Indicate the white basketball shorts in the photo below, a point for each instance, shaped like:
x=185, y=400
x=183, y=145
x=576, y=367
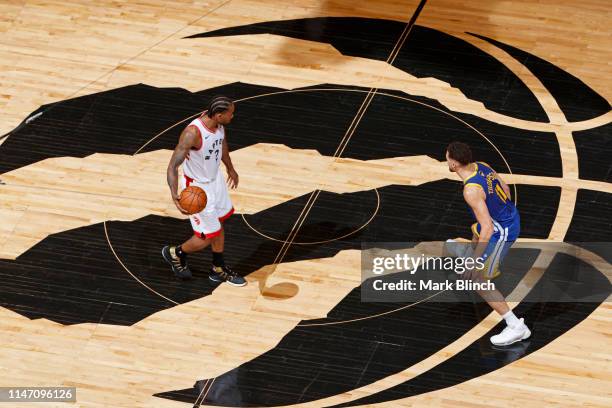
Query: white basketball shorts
x=207, y=223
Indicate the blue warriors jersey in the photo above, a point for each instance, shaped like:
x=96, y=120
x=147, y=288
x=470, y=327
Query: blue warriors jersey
x=500, y=207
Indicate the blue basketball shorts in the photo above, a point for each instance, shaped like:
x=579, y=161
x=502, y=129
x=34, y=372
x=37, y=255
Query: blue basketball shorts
x=504, y=235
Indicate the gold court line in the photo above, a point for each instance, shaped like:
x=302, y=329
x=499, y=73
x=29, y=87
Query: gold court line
x=197, y=402
x=341, y=90
x=128, y=271
x=301, y=219
x=348, y=135
x=328, y=240
x=345, y=90
x=313, y=90
x=372, y=316
x=209, y=388
x=313, y=196
x=515, y=196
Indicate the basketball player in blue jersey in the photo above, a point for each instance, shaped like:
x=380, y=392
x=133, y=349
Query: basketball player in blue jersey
x=496, y=229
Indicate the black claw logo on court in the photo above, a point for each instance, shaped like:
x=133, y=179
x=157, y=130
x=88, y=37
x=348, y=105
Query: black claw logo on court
x=71, y=276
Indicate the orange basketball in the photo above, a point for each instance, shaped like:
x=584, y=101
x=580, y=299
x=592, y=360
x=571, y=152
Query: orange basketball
x=193, y=199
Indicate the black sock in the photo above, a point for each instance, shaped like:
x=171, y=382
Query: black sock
x=182, y=255
x=218, y=259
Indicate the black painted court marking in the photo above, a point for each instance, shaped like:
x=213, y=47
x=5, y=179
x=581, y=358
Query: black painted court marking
x=294, y=242
x=130, y=272
x=515, y=197
x=207, y=387
x=37, y=115
x=310, y=202
x=374, y=213
x=345, y=140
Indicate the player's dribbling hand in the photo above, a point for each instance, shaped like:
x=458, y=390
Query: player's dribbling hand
x=176, y=198
x=232, y=180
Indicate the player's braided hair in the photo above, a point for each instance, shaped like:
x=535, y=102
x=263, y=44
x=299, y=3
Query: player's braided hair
x=218, y=104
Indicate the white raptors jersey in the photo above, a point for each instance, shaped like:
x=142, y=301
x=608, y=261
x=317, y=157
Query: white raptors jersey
x=203, y=163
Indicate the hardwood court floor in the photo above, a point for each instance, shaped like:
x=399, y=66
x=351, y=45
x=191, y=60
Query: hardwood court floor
x=343, y=108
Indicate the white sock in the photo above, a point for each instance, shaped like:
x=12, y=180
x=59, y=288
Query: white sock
x=511, y=319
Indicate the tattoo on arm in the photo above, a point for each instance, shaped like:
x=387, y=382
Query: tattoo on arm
x=189, y=138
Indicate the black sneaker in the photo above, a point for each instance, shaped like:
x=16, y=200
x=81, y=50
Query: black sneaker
x=225, y=274
x=170, y=256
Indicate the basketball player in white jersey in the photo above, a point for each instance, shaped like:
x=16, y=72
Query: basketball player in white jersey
x=201, y=149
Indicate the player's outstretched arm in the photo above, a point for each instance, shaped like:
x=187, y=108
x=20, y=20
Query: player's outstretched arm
x=189, y=138
x=475, y=198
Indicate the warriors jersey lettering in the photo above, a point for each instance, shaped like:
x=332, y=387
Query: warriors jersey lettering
x=203, y=163
x=500, y=207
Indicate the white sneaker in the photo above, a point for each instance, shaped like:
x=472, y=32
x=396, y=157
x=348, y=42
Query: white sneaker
x=511, y=335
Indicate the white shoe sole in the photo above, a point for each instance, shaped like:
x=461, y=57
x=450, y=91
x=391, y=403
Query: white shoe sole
x=236, y=284
x=228, y=282
x=526, y=335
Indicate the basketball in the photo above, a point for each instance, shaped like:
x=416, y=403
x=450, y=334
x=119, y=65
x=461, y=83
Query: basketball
x=193, y=199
